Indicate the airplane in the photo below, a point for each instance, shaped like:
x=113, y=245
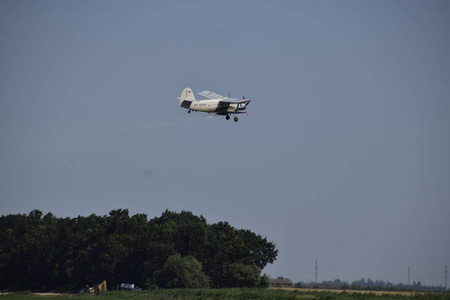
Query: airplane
x=216, y=103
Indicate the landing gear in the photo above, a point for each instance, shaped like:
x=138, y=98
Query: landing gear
x=235, y=118
x=189, y=111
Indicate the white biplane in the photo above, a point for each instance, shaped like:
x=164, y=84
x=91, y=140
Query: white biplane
x=215, y=103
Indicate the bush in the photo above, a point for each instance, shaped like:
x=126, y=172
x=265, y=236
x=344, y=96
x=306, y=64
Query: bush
x=241, y=275
x=182, y=272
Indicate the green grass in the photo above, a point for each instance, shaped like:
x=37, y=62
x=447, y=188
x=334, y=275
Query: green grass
x=224, y=294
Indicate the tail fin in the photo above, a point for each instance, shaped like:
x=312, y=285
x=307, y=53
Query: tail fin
x=187, y=95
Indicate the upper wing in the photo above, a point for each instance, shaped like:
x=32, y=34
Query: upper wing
x=210, y=95
x=223, y=99
x=234, y=100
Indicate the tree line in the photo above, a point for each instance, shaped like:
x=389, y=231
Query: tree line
x=371, y=285
x=43, y=252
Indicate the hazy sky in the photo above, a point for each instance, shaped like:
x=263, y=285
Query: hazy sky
x=343, y=157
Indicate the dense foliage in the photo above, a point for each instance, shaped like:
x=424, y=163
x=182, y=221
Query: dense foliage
x=174, y=250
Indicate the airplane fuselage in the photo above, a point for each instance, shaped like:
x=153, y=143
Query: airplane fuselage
x=215, y=106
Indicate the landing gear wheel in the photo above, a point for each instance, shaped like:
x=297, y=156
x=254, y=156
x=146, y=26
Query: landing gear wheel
x=227, y=117
x=189, y=111
x=236, y=119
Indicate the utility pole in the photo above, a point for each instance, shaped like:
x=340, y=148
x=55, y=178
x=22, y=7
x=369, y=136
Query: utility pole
x=316, y=270
x=409, y=276
x=445, y=277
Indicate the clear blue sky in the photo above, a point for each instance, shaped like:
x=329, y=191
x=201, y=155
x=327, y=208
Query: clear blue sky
x=343, y=157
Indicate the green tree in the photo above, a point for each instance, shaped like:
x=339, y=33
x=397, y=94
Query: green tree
x=182, y=272
x=184, y=232
x=228, y=245
x=240, y=275
x=265, y=281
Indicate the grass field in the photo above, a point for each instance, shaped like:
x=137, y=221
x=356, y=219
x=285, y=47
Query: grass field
x=217, y=294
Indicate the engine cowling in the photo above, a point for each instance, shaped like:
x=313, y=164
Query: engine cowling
x=242, y=106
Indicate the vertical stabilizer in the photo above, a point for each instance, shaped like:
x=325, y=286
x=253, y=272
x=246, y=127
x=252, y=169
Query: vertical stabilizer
x=187, y=96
